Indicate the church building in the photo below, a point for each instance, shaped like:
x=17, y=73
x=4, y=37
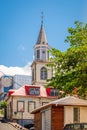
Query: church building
x=40, y=71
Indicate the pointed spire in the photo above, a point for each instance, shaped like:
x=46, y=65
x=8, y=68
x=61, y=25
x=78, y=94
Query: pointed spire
x=42, y=35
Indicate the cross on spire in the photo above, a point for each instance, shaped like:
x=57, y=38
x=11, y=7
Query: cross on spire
x=42, y=17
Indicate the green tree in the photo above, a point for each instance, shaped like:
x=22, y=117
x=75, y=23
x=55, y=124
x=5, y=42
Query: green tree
x=3, y=105
x=70, y=67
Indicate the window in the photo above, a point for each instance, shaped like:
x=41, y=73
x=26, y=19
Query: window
x=20, y=106
x=31, y=106
x=32, y=74
x=44, y=103
x=48, y=54
x=53, y=92
x=43, y=73
x=34, y=91
x=43, y=55
x=76, y=114
x=38, y=54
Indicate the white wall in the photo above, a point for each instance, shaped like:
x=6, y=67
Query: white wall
x=83, y=114
x=68, y=114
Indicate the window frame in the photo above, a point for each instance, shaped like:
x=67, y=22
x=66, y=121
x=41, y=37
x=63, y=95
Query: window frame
x=23, y=106
x=43, y=73
x=76, y=114
x=34, y=105
x=34, y=91
x=38, y=54
x=44, y=103
x=55, y=92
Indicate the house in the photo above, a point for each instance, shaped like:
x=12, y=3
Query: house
x=56, y=114
x=22, y=101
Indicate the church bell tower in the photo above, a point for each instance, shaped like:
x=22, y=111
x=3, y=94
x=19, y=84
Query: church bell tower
x=40, y=71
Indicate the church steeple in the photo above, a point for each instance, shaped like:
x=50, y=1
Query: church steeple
x=41, y=47
x=42, y=36
x=40, y=71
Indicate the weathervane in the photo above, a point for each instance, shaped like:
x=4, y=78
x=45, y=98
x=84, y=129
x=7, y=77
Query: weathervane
x=42, y=16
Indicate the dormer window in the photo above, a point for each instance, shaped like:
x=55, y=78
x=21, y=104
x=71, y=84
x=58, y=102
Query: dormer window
x=52, y=92
x=34, y=91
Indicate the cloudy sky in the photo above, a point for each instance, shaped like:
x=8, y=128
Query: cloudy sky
x=25, y=70
x=20, y=22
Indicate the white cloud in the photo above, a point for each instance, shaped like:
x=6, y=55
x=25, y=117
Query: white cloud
x=26, y=70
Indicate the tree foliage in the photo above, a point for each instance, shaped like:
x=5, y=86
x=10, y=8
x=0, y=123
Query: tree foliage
x=3, y=104
x=70, y=67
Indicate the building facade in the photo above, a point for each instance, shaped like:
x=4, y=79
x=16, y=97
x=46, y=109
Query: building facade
x=25, y=99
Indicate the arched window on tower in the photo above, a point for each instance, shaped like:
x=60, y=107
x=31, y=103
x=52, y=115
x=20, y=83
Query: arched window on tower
x=43, y=73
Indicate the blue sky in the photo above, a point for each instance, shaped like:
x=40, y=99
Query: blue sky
x=20, y=23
